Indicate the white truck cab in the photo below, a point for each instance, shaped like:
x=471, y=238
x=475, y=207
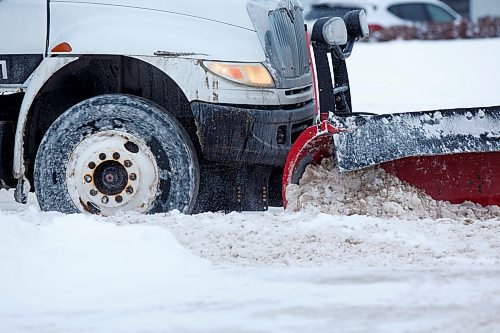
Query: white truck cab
x=150, y=106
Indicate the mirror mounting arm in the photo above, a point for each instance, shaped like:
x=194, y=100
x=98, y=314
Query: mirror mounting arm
x=343, y=53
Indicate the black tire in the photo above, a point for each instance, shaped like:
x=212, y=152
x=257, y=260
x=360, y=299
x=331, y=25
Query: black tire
x=168, y=143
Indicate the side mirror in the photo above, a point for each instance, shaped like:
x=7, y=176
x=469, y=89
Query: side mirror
x=331, y=31
x=356, y=23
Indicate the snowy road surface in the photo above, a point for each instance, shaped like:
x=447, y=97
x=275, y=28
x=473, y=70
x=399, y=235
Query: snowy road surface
x=276, y=271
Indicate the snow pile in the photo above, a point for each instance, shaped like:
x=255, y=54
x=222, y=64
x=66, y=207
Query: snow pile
x=311, y=238
x=374, y=192
x=76, y=263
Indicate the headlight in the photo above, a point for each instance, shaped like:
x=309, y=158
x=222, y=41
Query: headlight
x=250, y=74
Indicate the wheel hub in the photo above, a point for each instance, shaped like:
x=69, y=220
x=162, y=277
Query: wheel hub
x=110, y=177
x=112, y=171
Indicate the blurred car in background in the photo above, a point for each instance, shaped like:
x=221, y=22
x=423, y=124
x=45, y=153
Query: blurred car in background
x=382, y=14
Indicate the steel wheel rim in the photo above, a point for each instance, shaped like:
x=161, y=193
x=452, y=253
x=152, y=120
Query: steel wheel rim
x=112, y=171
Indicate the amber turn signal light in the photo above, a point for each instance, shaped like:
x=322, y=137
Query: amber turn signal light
x=62, y=47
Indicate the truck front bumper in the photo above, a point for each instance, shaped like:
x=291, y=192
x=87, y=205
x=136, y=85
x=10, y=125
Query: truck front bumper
x=229, y=134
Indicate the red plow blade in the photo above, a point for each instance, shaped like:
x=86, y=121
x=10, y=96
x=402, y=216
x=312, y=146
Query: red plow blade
x=455, y=178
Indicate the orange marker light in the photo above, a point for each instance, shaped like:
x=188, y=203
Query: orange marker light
x=62, y=47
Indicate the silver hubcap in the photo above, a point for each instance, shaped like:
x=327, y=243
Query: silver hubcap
x=112, y=171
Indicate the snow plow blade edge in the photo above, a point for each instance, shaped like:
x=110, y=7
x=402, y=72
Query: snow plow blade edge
x=385, y=138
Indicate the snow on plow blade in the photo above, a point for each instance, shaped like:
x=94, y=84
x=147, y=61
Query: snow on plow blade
x=386, y=138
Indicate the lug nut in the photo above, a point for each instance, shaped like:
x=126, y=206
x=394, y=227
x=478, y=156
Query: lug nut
x=129, y=190
x=91, y=165
x=105, y=200
x=93, y=192
x=88, y=178
x=118, y=198
x=133, y=176
x=116, y=156
x=102, y=156
x=128, y=163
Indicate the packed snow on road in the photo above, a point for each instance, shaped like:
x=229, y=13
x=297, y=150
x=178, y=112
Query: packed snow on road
x=352, y=253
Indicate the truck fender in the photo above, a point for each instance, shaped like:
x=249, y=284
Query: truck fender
x=35, y=82
x=175, y=67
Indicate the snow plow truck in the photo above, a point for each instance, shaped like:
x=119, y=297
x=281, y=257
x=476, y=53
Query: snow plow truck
x=111, y=105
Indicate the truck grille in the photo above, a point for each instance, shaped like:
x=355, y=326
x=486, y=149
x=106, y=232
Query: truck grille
x=288, y=40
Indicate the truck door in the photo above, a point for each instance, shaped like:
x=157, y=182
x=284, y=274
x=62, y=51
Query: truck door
x=23, y=32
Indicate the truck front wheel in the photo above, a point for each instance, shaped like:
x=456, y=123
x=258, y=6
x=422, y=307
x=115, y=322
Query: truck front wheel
x=116, y=153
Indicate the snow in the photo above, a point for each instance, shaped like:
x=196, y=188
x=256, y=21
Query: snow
x=246, y=272
x=374, y=192
x=315, y=270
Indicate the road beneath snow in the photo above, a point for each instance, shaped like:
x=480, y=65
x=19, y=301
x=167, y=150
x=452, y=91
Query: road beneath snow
x=273, y=271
